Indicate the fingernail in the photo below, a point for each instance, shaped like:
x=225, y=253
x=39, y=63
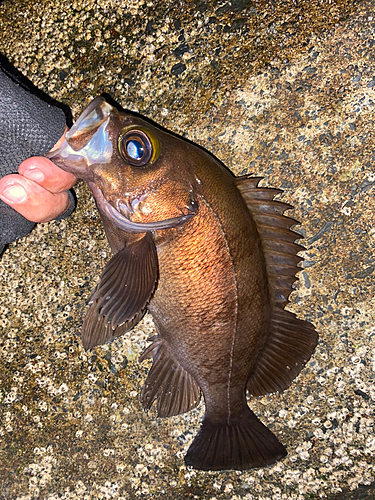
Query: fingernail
x=34, y=174
x=14, y=194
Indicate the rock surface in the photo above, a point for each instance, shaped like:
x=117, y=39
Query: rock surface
x=284, y=90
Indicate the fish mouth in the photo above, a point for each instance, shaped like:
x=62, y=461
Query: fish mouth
x=87, y=142
x=125, y=224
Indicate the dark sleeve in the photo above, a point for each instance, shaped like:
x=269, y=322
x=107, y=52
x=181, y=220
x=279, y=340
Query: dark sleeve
x=29, y=126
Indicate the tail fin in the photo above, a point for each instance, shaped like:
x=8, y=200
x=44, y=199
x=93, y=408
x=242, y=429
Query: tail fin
x=241, y=445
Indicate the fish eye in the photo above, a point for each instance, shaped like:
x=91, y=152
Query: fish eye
x=138, y=147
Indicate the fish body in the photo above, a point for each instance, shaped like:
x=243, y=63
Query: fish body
x=212, y=258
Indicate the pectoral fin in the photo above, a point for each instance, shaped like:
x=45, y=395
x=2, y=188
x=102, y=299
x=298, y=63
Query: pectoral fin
x=121, y=296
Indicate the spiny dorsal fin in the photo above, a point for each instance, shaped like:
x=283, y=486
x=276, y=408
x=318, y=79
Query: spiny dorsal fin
x=290, y=341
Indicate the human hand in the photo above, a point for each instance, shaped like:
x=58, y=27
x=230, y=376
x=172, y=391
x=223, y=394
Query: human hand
x=38, y=191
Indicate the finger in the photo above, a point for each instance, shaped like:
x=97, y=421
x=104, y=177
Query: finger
x=46, y=174
x=31, y=200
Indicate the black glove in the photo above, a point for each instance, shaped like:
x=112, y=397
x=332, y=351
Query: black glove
x=29, y=126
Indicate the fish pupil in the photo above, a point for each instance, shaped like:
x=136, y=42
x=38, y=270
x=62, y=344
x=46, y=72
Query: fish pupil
x=135, y=149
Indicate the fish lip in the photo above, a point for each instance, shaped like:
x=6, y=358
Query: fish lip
x=79, y=170
x=125, y=224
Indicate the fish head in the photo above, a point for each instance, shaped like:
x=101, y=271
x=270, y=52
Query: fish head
x=140, y=175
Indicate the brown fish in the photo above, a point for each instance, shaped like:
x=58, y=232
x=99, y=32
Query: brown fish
x=213, y=259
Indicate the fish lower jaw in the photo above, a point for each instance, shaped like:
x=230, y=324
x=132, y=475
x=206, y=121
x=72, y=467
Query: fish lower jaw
x=125, y=224
x=133, y=212
x=125, y=210
x=137, y=210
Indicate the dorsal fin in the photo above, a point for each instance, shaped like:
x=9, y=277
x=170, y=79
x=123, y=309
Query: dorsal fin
x=290, y=341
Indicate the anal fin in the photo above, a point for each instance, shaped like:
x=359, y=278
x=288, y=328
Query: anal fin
x=174, y=389
x=120, y=298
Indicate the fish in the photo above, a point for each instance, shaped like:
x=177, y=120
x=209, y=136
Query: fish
x=212, y=258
